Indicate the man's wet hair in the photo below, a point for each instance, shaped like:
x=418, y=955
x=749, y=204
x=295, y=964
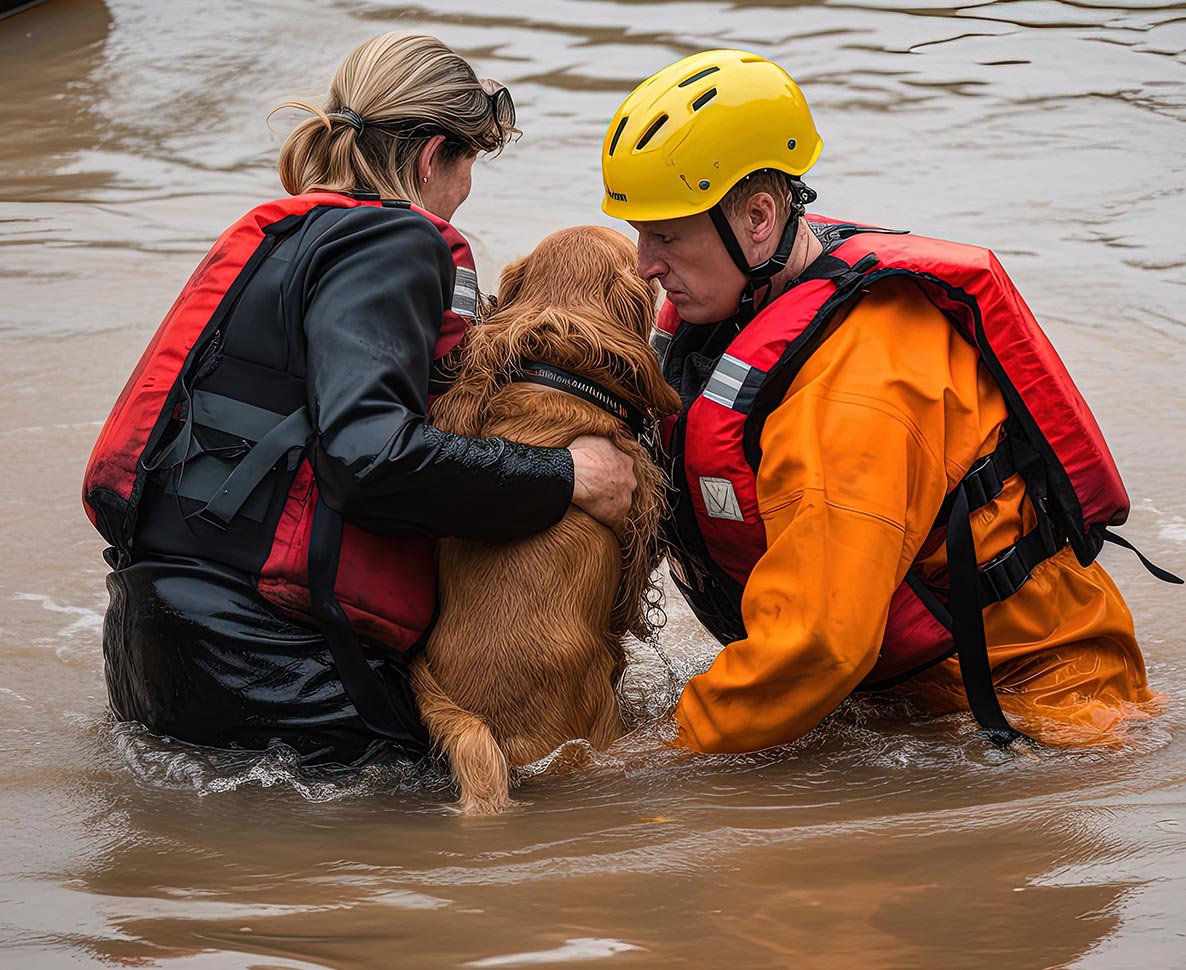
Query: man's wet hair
x=790, y=195
x=771, y=181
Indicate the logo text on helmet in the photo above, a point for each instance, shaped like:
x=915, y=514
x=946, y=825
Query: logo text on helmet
x=616, y=196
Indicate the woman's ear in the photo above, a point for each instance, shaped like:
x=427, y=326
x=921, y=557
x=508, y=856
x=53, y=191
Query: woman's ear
x=510, y=281
x=428, y=155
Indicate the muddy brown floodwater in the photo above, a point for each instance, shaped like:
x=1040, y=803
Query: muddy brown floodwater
x=133, y=131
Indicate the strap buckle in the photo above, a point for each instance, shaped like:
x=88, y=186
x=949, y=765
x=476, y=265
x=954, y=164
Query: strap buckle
x=1005, y=574
x=983, y=482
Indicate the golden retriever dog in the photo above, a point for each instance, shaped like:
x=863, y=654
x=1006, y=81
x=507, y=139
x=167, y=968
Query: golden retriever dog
x=528, y=647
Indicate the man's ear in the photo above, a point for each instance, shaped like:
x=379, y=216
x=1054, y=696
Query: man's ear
x=428, y=155
x=761, y=215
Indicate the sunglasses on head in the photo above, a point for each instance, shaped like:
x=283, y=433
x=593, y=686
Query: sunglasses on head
x=502, y=105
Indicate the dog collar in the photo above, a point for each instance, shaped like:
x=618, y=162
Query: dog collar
x=533, y=372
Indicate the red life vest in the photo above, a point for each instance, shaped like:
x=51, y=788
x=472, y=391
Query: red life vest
x=386, y=585
x=1051, y=437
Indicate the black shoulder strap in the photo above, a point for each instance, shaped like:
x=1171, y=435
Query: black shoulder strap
x=390, y=717
x=967, y=625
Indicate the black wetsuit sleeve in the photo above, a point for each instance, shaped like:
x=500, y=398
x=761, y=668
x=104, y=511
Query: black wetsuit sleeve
x=376, y=284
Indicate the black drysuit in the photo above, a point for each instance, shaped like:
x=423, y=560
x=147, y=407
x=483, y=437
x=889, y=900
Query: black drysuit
x=192, y=649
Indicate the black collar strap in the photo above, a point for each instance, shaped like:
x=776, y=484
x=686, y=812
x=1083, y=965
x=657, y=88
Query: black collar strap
x=533, y=372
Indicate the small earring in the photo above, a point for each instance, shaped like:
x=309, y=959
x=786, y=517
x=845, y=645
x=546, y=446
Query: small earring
x=425, y=180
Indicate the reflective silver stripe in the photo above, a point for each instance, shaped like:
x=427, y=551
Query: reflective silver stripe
x=465, y=293
x=726, y=381
x=660, y=341
x=732, y=367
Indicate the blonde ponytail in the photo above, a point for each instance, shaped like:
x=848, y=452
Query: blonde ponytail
x=387, y=99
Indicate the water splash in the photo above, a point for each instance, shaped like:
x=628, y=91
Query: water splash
x=163, y=763
x=579, y=949
x=87, y=620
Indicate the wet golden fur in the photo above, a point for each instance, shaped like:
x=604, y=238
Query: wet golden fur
x=528, y=647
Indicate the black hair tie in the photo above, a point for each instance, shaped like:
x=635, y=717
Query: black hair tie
x=351, y=117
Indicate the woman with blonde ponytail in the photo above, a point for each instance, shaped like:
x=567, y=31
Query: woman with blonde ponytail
x=405, y=118
x=268, y=481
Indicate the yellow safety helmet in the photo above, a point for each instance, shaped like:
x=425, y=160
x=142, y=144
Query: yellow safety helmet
x=689, y=133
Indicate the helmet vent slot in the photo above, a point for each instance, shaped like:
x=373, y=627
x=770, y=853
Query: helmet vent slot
x=618, y=134
x=697, y=76
x=650, y=132
x=701, y=101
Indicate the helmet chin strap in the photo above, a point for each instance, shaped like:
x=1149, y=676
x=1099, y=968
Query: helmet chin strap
x=764, y=272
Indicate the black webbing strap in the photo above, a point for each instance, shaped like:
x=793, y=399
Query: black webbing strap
x=180, y=447
x=967, y=625
x=765, y=271
x=533, y=372
x=984, y=480
x=204, y=474
x=227, y=494
x=1163, y=574
x=1011, y=568
x=234, y=417
x=389, y=717
x=291, y=433
x=721, y=222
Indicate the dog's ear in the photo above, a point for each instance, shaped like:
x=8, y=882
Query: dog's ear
x=660, y=395
x=638, y=373
x=510, y=282
x=462, y=408
x=631, y=299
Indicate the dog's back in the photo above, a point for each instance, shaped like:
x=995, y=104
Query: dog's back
x=522, y=657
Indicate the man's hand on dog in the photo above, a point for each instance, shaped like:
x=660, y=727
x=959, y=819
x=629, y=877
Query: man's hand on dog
x=603, y=480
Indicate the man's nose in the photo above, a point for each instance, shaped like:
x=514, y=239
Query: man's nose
x=650, y=265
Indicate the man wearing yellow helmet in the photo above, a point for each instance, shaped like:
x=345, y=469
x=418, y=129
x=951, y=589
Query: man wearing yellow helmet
x=881, y=462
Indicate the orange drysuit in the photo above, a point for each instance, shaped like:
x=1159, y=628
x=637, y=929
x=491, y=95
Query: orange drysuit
x=884, y=419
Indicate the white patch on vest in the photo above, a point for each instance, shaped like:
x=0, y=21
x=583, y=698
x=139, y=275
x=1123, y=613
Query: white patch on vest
x=465, y=293
x=720, y=500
